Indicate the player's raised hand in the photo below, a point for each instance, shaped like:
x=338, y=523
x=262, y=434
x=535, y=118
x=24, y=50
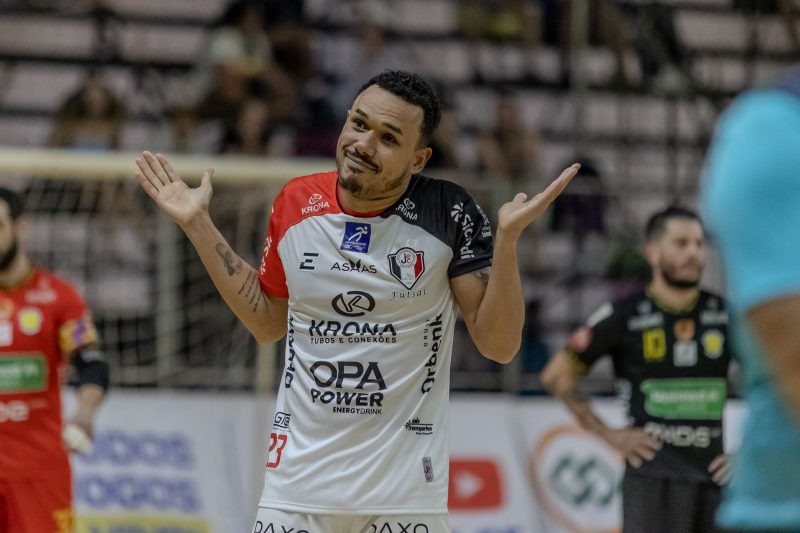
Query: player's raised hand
x=517, y=214
x=181, y=202
x=635, y=445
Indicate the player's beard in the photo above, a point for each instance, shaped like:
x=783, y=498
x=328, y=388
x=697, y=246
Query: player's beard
x=668, y=273
x=7, y=258
x=364, y=191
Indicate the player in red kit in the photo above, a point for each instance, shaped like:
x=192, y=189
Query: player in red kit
x=44, y=326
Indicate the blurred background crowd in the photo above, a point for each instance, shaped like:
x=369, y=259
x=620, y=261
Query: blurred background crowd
x=630, y=88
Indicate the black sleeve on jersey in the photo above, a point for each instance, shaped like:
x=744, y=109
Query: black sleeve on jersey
x=91, y=367
x=730, y=346
x=473, y=237
x=449, y=213
x=598, y=337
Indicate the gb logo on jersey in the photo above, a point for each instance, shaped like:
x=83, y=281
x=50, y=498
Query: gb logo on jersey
x=356, y=237
x=406, y=266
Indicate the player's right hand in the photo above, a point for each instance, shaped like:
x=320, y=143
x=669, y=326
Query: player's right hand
x=634, y=444
x=181, y=202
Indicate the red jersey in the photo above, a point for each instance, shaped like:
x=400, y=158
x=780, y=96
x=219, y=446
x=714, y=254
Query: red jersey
x=43, y=321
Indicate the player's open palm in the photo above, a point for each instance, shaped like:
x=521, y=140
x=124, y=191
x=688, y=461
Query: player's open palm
x=635, y=445
x=181, y=202
x=517, y=214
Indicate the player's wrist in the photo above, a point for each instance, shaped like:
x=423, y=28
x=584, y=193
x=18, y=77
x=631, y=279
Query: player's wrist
x=507, y=236
x=606, y=433
x=197, y=224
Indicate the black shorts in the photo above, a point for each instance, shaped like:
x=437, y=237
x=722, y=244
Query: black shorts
x=651, y=505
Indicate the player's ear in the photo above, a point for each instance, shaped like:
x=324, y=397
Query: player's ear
x=651, y=253
x=421, y=156
x=21, y=226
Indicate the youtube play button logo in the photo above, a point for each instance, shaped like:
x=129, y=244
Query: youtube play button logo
x=474, y=485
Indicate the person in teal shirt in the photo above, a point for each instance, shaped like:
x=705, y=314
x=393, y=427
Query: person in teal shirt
x=751, y=203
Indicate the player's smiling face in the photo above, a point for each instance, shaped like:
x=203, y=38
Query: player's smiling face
x=681, y=253
x=378, y=148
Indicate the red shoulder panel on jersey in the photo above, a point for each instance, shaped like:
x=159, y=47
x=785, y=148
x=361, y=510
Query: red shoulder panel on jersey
x=301, y=198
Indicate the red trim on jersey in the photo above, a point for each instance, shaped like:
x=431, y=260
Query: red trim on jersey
x=25, y=280
x=301, y=198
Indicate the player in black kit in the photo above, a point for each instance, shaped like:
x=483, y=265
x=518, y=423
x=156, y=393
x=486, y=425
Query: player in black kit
x=669, y=349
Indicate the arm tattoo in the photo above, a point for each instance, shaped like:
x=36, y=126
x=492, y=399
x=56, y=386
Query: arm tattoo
x=255, y=296
x=248, y=284
x=232, y=263
x=258, y=301
x=483, y=275
x=251, y=290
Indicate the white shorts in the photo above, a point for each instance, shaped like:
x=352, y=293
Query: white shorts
x=276, y=521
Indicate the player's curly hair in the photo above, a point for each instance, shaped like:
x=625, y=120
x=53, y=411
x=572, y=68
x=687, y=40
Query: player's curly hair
x=414, y=90
x=13, y=200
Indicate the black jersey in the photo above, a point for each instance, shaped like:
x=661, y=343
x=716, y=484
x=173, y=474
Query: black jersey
x=671, y=366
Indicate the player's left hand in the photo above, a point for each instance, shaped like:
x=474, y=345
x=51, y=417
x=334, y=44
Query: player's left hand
x=720, y=469
x=517, y=214
x=77, y=438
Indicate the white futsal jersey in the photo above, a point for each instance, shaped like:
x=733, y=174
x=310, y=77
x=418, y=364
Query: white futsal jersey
x=361, y=420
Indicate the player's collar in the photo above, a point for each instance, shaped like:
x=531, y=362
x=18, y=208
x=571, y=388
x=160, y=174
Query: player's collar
x=669, y=308
x=357, y=213
x=22, y=282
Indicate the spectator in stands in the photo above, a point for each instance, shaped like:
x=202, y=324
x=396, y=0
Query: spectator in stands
x=90, y=118
x=444, y=138
x=290, y=37
x=443, y=142
x=374, y=54
x=515, y=22
x=251, y=136
x=662, y=57
x=582, y=210
x=181, y=134
x=608, y=25
x=238, y=66
x=509, y=151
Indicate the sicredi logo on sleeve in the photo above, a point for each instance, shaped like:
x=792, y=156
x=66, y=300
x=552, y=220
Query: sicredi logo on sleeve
x=356, y=237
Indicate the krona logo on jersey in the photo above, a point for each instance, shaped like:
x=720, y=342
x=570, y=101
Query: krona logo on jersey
x=315, y=204
x=406, y=208
x=356, y=237
x=351, y=304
